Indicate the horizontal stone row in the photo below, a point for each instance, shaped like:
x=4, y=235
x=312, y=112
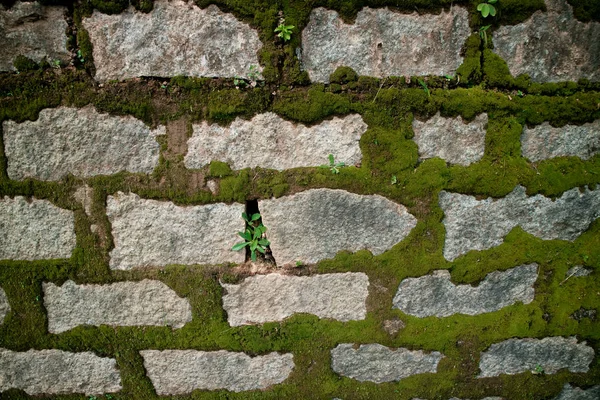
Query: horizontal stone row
x=178, y=38
x=174, y=372
x=568, y=393
x=85, y=143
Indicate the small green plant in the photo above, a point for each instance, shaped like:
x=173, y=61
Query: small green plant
x=394, y=179
x=483, y=34
x=520, y=94
x=80, y=56
x=253, y=73
x=253, y=236
x=55, y=64
x=539, y=370
x=424, y=86
x=333, y=166
x=298, y=264
x=239, y=82
x=284, y=31
x=487, y=8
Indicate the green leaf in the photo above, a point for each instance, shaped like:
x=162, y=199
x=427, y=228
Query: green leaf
x=480, y=6
x=245, y=235
x=253, y=255
x=262, y=228
x=255, y=217
x=331, y=159
x=257, y=234
x=261, y=249
x=245, y=216
x=492, y=11
x=239, y=246
x=253, y=245
x=492, y=1
x=485, y=10
x=264, y=242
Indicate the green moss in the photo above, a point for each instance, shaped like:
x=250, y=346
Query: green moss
x=225, y=105
x=512, y=12
x=470, y=69
x=219, y=169
x=143, y=5
x=23, y=64
x=310, y=106
x=586, y=10
x=110, y=6
x=343, y=75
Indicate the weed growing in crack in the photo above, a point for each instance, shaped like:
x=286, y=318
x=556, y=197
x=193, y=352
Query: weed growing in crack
x=284, y=31
x=333, y=166
x=253, y=236
x=487, y=8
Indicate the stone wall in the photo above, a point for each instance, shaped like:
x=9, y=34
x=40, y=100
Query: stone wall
x=429, y=189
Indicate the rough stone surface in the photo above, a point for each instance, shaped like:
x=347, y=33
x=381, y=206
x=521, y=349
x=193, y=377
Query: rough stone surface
x=382, y=42
x=273, y=297
x=81, y=142
x=269, y=141
x=515, y=356
x=473, y=224
x=436, y=295
x=35, y=229
x=34, y=31
x=545, y=141
x=316, y=224
x=393, y=326
x=377, y=363
x=150, y=233
x=4, y=305
x=55, y=371
x=551, y=46
x=574, y=393
x=182, y=371
x=118, y=304
x=85, y=196
x=451, y=139
x=175, y=38
x=578, y=271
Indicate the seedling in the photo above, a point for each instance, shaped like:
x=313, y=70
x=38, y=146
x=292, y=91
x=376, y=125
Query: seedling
x=487, y=8
x=520, y=94
x=253, y=73
x=425, y=88
x=284, y=31
x=80, y=56
x=394, y=179
x=55, y=64
x=237, y=81
x=483, y=34
x=333, y=166
x=539, y=370
x=253, y=236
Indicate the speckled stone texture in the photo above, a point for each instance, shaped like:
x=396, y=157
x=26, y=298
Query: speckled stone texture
x=34, y=31
x=175, y=372
x=32, y=229
x=578, y=271
x=574, y=393
x=377, y=363
x=318, y=223
x=382, y=42
x=515, y=356
x=269, y=141
x=81, y=142
x=436, y=295
x=473, y=224
x=58, y=372
x=274, y=297
x=150, y=233
x=551, y=46
x=117, y=304
x=451, y=139
x=544, y=141
x=175, y=38
x=4, y=305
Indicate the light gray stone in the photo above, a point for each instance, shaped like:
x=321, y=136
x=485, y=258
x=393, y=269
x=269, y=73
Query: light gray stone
x=551, y=46
x=81, y=142
x=269, y=141
x=85, y=195
x=473, y=224
x=274, y=297
x=32, y=229
x=515, y=356
x=544, y=141
x=58, y=372
x=4, y=305
x=377, y=363
x=436, y=295
x=175, y=372
x=382, y=42
x=451, y=139
x=318, y=223
x=151, y=233
x=175, y=38
x=118, y=304
x=577, y=271
x=574, y=393
x=34, y=31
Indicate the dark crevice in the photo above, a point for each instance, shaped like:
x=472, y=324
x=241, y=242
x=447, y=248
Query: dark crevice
x=252, y=208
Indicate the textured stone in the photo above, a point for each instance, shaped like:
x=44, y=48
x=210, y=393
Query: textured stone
x=85, y=195
x=150, y=233
x=451, y=139
x=514, y=356
x=393, y=326
x=577, y=271
x=473, y=224
x=551, y=46
x=269, y=141
x=182, y=371
x=55, y=372
x=382, y=42
x=118, y=304
x=274, y=297
x=35, y=229
x=4, y=305
x=574, y=393
x=34, y=31
x=377, y=363
x=175, y=38
x=436, y=295
x=318, y=223
x=545, y=141
x=81, y=142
